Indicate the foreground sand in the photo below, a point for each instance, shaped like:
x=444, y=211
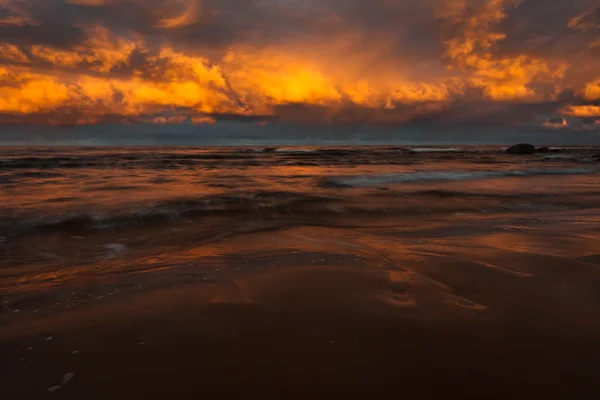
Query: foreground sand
x=508, y=315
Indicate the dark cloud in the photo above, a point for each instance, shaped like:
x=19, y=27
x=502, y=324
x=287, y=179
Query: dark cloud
x=223, y=22
x=534, y=27
x=348, y=63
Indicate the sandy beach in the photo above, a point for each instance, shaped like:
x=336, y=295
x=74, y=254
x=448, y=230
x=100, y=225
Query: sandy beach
x=501, y=315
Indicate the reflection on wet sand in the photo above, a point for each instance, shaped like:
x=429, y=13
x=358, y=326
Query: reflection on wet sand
x=468, y=271
x=331, y=312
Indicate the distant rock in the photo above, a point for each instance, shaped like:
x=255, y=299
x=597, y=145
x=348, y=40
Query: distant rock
x=542, y=150
x=521, y=149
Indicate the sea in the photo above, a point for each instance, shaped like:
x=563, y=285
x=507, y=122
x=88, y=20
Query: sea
x=80, y=224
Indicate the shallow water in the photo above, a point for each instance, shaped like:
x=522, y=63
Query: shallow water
x=80, y=224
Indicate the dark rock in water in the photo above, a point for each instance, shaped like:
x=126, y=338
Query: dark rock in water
x=521, y=149
x=542, y=150
x=270, y=149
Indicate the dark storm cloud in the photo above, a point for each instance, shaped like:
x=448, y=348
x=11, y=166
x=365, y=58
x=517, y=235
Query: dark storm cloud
x=382, y=63
x=534, y=27
x=451, y=115
x=223, y=22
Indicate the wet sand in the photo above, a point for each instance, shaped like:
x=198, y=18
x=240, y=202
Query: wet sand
x=508, y=314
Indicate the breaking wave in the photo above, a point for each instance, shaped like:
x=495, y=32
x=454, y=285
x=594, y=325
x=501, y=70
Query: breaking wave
x=250, y=204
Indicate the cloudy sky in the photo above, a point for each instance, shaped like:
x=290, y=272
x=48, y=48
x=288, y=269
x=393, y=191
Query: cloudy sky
x=159, y=71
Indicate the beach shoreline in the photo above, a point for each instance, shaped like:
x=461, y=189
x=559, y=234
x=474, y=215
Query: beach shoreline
x=469, y=323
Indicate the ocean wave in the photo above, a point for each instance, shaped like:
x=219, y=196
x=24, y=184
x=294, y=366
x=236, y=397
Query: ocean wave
x=574, y=158
x=282, y=208
x=294, y=150
x=456, y=149
x=429, y=176
x=436, y=150
x=251, y=204
x=587, y=148
x=258, y=150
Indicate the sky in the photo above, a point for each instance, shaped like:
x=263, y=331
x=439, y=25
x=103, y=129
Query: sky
x=299, y=71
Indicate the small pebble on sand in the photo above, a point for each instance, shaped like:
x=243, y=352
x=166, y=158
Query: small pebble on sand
x=67, y=378
x=141, y=344
x=53, y=389
x=30, y=348
x=49, y=338
x=74, y=352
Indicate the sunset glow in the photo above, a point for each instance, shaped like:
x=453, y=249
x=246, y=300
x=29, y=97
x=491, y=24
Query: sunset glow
x=90, y=61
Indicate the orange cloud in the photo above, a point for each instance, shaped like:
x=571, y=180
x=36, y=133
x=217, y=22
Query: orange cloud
x=11, y=52
x=203, y=120
x=501, y=78
x=17, y=14
x=562, y=124
x=592, y=90
x=170, y=120
x=154, y=71
x=188, y=16
x=584, y=21
x=586, y=111
x=100, y=52
x=30, y=93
